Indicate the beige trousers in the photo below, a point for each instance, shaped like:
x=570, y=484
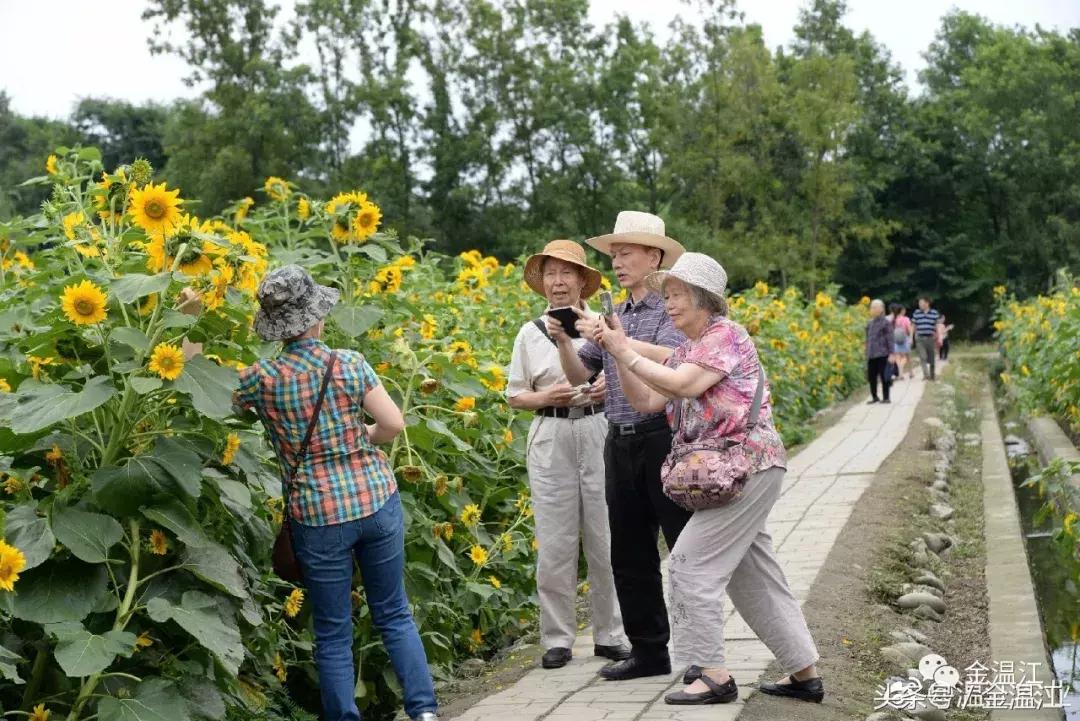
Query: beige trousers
x=727, y=550
x=565, y=459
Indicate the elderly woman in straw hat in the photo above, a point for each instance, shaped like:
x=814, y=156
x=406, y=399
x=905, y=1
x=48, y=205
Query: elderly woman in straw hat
x=565, y=460
x=341, y=499
x=715, y=385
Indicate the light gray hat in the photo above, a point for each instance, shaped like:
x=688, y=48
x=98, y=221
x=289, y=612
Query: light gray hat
x=290, y=302
x=694, y=269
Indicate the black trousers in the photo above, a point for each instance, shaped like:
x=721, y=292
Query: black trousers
x=637, y=511
x=943, y=354
x=875, y=369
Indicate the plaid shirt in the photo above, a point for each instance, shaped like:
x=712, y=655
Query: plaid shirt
x=344, y=476
x=646, y=321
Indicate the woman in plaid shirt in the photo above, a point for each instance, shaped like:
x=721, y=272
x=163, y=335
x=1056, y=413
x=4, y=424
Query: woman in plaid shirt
x=343, y=500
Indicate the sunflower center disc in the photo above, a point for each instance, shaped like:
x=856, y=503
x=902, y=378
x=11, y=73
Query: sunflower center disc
x=84, y=307
x=155, y=209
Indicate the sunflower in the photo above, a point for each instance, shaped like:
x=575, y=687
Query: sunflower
x=471, y=515
x=441, y=486
x=387, y=280
x=476, y=640
x=155, y=209
x=71, y=223
x=479, y=555
x=159, y=544
x=366, y=221
x=12, y=562
x=243, y=208
x=277, y=188
x=50, y=165
x=340, y=209
x=167, y=361
x=5, y=387
x=84, y=303
x=507, y=542
x=465, y=404
x=148, y=305
x=232, y=445
x=429, y=327
x=294, y=603
x=40, y=713
x=495, y=582
x=143, y=641
x=303, y=208
x=279, y=668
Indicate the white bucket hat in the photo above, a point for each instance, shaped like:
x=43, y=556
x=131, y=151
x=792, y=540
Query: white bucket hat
x=632, y=226
x=695, y=269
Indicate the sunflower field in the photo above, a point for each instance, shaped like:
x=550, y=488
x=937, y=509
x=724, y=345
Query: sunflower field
x=138, y=512
x=1040, y=342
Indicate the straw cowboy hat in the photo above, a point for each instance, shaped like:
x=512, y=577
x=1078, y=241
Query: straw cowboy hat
x=566, y=250
x=632, y=226
x=290, y=302
x=695, y=269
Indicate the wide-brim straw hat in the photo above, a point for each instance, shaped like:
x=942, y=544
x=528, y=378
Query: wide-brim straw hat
x=695, y=269
x=632, y=226
x=565, y=250
x=290, y=302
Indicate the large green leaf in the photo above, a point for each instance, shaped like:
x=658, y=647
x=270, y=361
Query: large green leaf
x=210, y=386
x=356, y=320
x=88, y=536
x=60, y=591
x=182, y=464
x=208, y=620
x=441, y=428
x=41, y=405
x=122, y=489
x=175, y=516
x=135, y=285
x=131, y=337
x=216, y=566
x=81, y=653
x=8, y=669
x=30, y=533
x=203, y=698
x=155, y=700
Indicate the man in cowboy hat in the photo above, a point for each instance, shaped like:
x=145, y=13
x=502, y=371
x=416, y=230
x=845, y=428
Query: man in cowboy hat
x=637, y=443
x=565, y=463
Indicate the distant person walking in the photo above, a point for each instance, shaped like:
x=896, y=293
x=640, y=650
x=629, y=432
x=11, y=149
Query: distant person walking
x=943, y=338
x=926, y=320
x=879, y=344
x=902, y=333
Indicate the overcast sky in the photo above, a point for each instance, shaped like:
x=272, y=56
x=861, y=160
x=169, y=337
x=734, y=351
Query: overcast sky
x=53, y=52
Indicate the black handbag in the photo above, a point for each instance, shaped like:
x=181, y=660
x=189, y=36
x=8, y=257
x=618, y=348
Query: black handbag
x=286, y=565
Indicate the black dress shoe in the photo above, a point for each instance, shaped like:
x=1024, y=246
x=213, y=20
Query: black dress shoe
x=556, y=657
x=693, y=673
x=615, y=653
x=718, y=693
x=635, y=667
x=809, y=690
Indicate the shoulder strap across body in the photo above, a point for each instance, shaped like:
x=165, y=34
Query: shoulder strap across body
x=755, y=407
x=312, y=422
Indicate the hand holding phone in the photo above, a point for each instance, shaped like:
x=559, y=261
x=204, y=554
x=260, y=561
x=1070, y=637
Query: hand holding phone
x=567, y=317
x=607, y=307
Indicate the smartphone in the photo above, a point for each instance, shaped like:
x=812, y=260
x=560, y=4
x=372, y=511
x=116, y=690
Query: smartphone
x=606, y=306
x=568, y=318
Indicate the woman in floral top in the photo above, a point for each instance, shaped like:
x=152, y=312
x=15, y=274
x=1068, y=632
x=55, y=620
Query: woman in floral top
x=722, y=550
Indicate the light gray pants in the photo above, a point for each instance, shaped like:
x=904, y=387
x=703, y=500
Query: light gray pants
x=565, y=460
x=727, y=550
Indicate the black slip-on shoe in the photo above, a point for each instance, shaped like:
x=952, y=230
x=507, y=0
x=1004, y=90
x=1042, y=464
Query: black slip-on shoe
x=809, y=690
x=635, y=667
x=556, y=657
x=615, y=653
x=693, y=673
x=718, y=693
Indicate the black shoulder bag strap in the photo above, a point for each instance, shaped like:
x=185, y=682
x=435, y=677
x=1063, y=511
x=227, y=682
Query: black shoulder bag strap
x=313, y=422
x=543, y=329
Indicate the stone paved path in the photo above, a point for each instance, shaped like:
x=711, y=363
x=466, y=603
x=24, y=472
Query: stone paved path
x=823, y=483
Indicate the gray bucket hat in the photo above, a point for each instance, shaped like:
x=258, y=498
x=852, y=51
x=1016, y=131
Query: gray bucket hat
x=693, y=268
x=290, y=302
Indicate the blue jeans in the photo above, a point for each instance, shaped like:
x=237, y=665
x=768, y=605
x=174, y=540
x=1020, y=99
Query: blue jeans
x=326, y=556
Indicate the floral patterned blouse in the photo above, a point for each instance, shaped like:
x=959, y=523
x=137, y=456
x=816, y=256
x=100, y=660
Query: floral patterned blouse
x=724, y=409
